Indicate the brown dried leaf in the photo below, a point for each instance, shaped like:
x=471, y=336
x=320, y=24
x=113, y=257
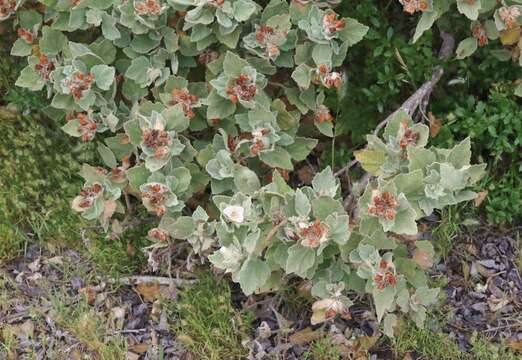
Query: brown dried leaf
x=131, y=356
x=305, y=336
x=149, y=291
x=435, y=125
x=422, y=258
x=90, y=294
x=108, y=210
x=510, y=36
x=139, y=348
x=305, y=175
x=479, y=199
x=515, y=345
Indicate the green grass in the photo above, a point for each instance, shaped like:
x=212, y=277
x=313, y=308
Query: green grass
x=322, y=349
x=484, y=349
x=427, y=344
x=448, y=228
x=207, y=323
x=88, y=327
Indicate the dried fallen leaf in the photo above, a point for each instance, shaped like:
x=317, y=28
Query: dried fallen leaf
x=305, y=336
x=305, y=175
x=149, y=291
x=510, y=36
x=407, y=357
x=435, y=125
x=515, y=345
x=139, y=348
x=479, y=199
x=131, y=356
x=422, y=258
x=90, y=294
x=35, y=265
x=497, y=304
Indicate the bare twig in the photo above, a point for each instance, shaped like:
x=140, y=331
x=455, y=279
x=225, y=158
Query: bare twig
x=419, y=97
x=141, y=279
x=274, y=230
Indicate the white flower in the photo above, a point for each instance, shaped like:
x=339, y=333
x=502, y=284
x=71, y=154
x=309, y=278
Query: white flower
x=235, y=213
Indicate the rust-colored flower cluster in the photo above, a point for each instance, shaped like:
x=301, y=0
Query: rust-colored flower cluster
x=88, y=195
x=322, y=114
x=215, y=3
x=266, y=36
x=244, y=89
x=119, y=174
x=331, y=24
x=149, y=7
x=385, y=275
x=409, y=137
x=509, y=15
x=7, y=7
x=207, y=57
x=158, y=234
x=26, y=35
x=158, y=140
x=44, y=67
x=313, y=234
x=412, y=6
x=383, y=204
x=479, y=33
x=329, y=79
x=80, y=83
x=87, y=127
x=186, y=99
x=156, y=195
x=257, y=141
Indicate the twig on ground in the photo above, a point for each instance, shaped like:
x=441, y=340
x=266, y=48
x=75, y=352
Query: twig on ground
x=140, y=279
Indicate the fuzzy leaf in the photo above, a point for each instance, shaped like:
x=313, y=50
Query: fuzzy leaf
x=253, y=274
x=300, y=260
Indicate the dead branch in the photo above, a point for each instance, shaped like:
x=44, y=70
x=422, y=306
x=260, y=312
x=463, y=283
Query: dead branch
x=419, y=97
x=141, y=279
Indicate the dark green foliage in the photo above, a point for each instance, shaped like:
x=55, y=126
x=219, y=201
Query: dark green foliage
x=382, y=70
x=495, y=128
x=36, y=183
x=386, y=68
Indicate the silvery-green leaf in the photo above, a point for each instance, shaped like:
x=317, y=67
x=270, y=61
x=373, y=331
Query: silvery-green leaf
x=277, y=158
x=469, y=8
x=103, y=76
x=302, y=76
x=324, y=183
x=300, y=260
x=246, y=180
x=137, y=176
x=466, y=47
x=21, y=48
x=353, y=32
x=30, y=79
x=71, y=128
x=390, y=322
x=383, y=300
x=302, y=204
x=52, y=41
x=107, y=156
x=253, y=274
x=233, y=64
x=109, y=29
x=138, y=71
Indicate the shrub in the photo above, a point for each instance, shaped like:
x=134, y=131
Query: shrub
x=201, y=109
x=488, y=21
x=495, y=127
